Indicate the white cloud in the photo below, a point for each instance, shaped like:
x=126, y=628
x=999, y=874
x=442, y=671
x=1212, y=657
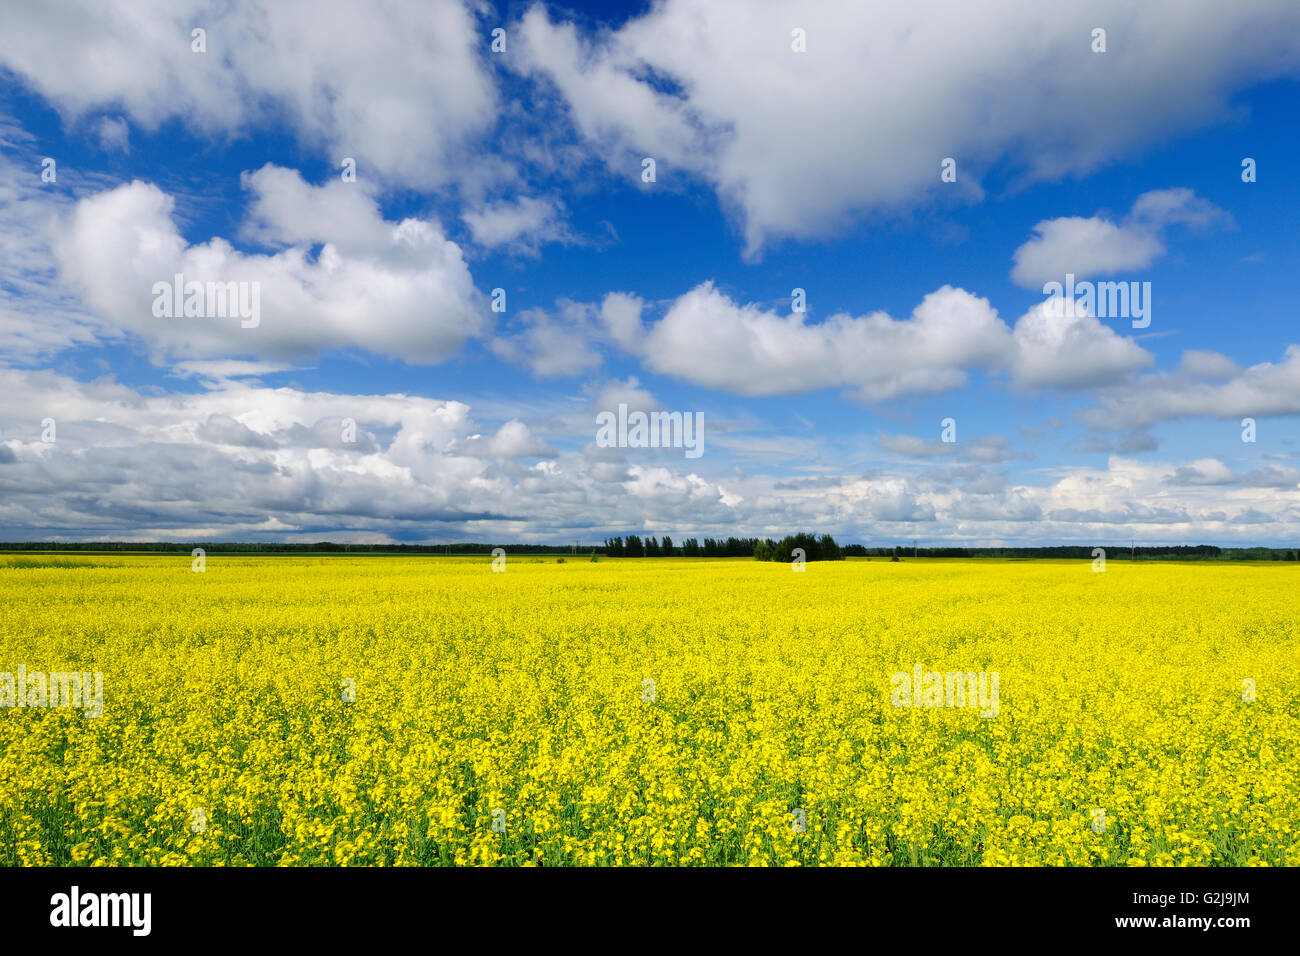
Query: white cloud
x=1072, y=350
x=1203, y=471
x=620, y=314
x=140, y=466
x=708, y=339
x=399, y=289
x=1262, y=390
x=400, y=87
x=38, y=318
x=514, y=439
x=1209, y=365
x=552, y=346
x=523, y=225
x=113, y=134
x=1083, y=247
x=133, y=465
x=801, y=144
x=1096, y=246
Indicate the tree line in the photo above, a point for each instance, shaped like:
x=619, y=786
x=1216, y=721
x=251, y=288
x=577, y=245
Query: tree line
x=764, y=549
x=815, y=548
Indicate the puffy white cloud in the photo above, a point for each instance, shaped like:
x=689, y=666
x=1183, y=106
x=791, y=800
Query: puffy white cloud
x=800, y=144
x=523, y=225
x=552, y=346
x=133, y=465
x=399, y=289
x=708, y=339
x=514, y=439
x=1082, y=247
x=1210, y=365
x=1065, y=348
x=400, y=87
x=1261, y=390
x=1073, y=245
x=1212, y=471
x=1203, y=471
x=128, y=464
x=620, y=314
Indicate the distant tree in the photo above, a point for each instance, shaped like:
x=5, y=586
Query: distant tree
x=667, y=547
x=594, y=559
x=1290, y=555
x=763, y=551
x=651, y=547
x=691, y=548
x=634, y=548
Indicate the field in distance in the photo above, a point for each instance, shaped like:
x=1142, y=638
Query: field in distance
x=432, y=711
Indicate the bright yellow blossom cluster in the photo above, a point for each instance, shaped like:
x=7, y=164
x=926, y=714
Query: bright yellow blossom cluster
x=658, y=711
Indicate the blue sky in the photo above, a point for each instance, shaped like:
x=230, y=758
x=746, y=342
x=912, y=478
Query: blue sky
x=776, y=168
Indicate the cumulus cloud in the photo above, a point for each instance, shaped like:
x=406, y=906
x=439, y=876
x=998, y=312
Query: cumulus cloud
x=801, y=144
x=1212, y=471
x=1204, y=471
x=707, y=338
x=512, y=440
x=552, y=345
x=620, y=314
x=1262, y=390
x=1209, y=365
x=133, y=465
x=522, y=225
x=324, y=69
x=392, y=288
x=1066, y=348
x=130, y=464
x=1083, y=247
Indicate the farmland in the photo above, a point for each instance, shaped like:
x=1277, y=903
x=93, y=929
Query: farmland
x=342, y=710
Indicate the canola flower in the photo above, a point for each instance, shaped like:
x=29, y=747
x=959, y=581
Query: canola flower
x=426, y=711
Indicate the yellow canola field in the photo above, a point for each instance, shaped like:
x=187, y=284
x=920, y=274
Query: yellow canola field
x=656, y=711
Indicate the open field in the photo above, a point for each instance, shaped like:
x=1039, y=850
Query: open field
x=649, y=711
